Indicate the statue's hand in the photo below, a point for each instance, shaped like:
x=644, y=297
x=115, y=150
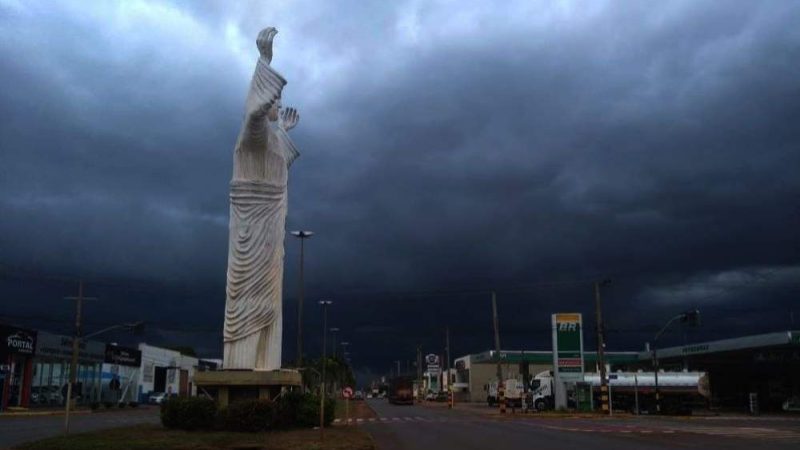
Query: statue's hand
x=289, y=118
x=264, y=42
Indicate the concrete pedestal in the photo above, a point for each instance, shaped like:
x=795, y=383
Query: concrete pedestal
x=227, y=386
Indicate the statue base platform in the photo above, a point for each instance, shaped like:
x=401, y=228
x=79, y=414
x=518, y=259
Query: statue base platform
x=227, y=386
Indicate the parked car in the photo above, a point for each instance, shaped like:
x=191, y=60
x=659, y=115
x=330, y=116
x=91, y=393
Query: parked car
x=430, y=396
x=358, y=395
x=157, y=398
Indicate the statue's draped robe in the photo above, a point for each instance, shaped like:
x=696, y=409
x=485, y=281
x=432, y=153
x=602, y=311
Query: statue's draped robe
x=258, y=196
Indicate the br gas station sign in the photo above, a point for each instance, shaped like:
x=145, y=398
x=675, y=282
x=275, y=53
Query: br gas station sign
x=567, y=352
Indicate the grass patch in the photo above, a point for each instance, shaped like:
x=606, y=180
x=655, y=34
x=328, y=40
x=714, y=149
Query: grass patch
x=147, y=437
x=359, y=409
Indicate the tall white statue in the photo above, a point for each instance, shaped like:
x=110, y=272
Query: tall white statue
x=263, y=154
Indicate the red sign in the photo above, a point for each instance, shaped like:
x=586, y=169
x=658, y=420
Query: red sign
x=347, y=392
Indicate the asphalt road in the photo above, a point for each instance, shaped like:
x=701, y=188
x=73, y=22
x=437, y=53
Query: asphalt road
x=434, y=426
x=17, y=430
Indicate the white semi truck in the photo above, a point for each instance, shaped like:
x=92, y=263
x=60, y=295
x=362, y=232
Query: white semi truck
x=680, y=391
x=514, y=391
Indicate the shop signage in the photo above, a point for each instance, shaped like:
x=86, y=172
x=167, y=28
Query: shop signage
x=124, y=356
x=568, y=346
x=432, y=364
x=17, y=340
x=57, y=346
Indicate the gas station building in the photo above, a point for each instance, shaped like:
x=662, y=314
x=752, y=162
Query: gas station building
x=767, y=365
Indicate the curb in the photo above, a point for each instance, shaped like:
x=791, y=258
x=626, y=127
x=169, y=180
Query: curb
x=40, y=413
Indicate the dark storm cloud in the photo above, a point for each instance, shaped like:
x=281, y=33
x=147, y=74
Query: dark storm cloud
x=455, y=147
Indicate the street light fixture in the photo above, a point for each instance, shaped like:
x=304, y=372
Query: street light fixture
x=692, y=318
x=302, y=235
x=324, y=304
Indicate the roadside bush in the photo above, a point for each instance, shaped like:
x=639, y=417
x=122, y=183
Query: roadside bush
x=121, y=405
x=286, y=410
x=250, y=416
x=133, y=404
x=108, y=404
x=188, y=413
x=94, y=405
x=295, y=409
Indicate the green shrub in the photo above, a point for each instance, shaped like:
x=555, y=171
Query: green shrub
x=122, y=404
x=94, y=405
x=287, y=408
x=295, y=409
x=133, y=404
x=250, y=416
x=108, y=404
x=188, y=413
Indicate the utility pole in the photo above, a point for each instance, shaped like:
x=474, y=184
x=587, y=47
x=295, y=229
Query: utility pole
x=419, y=374
x=398, y=367
x=325, y=304
x=333, y=331
x=501, y=389
x=604, y=398
x=447, y=353
x=73, y=367
x=302, y=235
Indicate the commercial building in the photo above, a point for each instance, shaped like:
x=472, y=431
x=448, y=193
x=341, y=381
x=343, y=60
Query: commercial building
x=121, y=374
x=767, y=365
x=51, y=364
x=474, y=372
x=167, y=371
x=35, y=366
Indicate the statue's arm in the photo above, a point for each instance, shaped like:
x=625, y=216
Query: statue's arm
x=265, y=87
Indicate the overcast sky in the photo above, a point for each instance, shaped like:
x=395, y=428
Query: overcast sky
x=447, y=149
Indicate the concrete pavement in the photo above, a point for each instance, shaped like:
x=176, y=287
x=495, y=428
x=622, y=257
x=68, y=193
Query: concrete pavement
x=420, y=427
x=19, y=429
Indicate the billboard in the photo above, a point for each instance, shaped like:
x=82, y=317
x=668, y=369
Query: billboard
x=568, y=346
x=58, y=347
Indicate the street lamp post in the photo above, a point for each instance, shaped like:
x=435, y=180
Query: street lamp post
x=691, y=317
x=302, y=235
x=344, y=345
x=333, y=331
x=325, y=304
